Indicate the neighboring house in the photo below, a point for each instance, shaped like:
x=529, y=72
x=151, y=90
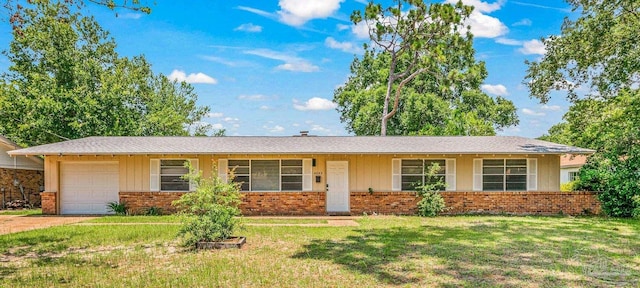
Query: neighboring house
x=311, y=175
x=569, y=166
x=19, y=175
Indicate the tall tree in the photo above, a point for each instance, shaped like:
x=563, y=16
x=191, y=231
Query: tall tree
x=422, y=70
x=66, y=81
x=599, y=50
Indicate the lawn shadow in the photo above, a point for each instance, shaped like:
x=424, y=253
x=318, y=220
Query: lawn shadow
x=487, y=253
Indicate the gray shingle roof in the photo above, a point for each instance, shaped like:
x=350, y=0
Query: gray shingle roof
x=302, y=145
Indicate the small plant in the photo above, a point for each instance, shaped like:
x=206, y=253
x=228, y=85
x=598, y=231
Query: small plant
x=370, y=191
x=119, y=208
x=153, y=211
x=569, y=186
x=431, y=202
x=209, y=213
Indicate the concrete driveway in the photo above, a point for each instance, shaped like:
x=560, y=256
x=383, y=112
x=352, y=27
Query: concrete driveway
x=17, y=223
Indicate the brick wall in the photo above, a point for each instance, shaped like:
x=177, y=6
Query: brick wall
x=49, y=203
x=31, y=180
x=544, y=203
x=383, y=203
x=138, y=202
x=283, y=203
x=571, y=203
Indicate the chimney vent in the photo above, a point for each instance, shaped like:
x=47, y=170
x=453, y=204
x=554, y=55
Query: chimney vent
x=304, y=133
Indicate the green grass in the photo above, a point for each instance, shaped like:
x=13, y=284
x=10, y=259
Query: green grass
x=136, y=219
x=22, y=212
x=277, y=221
x=463, y=251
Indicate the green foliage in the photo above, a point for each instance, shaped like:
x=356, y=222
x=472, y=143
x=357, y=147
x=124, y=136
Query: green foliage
x=420, y=77
x=616, y=178
x=210, y=213
x=119, y=208
x=597, y=49
x=431, y=202
x=66, y=80
x=636, y=209
x=153, y=211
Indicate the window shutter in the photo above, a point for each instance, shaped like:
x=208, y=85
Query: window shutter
x=532, y=174
x=222, y=169
x=450, y=177
x=196, y=170
x=154, y=175
x=396, y=174
x=307, y=177
x=477, y=174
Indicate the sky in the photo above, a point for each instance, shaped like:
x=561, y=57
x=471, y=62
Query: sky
x=270, y=67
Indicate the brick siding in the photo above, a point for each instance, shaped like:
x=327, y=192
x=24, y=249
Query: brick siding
x=283, y=203
x=314, y=203
x=138, y=202
x=49, y=203
x=543, y=203
x=31, y=180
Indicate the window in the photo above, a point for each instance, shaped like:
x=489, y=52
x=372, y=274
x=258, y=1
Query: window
x=504, y=175
x=171, y=172
x=573, y=176
x=413, y=172
x=268, y=175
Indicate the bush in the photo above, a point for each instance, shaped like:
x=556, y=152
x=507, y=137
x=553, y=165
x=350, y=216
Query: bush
x=431, y=203
x=617, y=178
x=118, y=208
x=153, y=211
x=209, y=213
x=568, y=187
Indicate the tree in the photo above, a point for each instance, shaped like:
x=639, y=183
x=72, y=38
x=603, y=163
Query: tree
x=66, y=81
x=598, y=49
x=421, y=59
x=420, y=36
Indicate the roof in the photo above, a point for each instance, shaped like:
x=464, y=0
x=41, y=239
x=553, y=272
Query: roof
x=302, y=145
x=568, y=161
x=5, y=162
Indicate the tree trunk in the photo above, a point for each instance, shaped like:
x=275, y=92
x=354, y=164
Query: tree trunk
x=387, y=96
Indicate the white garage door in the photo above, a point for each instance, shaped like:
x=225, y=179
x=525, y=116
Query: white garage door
x=87, y=187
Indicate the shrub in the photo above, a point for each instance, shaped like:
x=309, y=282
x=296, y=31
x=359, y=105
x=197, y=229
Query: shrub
x=617, y=178
x=209, y=213
x=153, y=211
x=431, y=202
x=568, y=187
x=118, y=208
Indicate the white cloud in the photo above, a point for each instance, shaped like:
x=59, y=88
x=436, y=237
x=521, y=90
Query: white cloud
x=255, y=97
x=230, y=119
x=249, y=27
x=499, y=89
x=551, y=107
x=265, y=107
x=194, y=78
x=508, y=41
x=342, y=27
x=274, y=129
x=292, y=63
x=530, y=112
x=360, y=30
x=298, y=12
x=482, y=25
x=315, y=104
x=348, y=47
x=535, y=47
x=228, y=62
x=215, y=115
x=523, y=22
x=257, y=11
x=217, y=126
x=319, y=128
x=132, y=16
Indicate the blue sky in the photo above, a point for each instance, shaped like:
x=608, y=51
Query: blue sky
x=270, y=67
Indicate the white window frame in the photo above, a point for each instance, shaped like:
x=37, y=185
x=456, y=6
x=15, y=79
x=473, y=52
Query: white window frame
x=448, y=172
x=306, y=173
x=531, y=174
x=155, y=174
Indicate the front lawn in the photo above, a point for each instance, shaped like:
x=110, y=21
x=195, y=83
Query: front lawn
x=472, y=251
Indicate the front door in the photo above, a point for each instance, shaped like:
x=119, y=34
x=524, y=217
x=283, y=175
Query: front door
x=337, y=186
